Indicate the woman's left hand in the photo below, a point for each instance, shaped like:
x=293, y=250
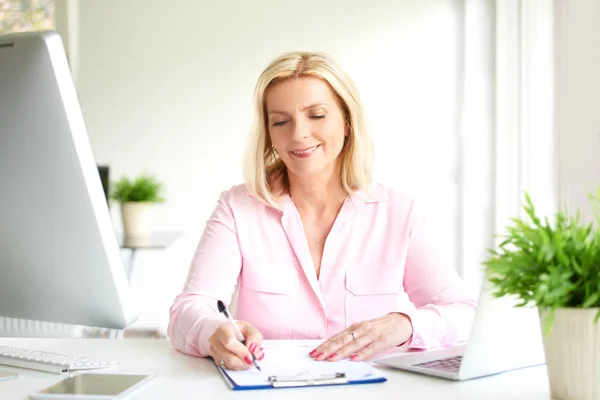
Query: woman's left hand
x=363, y=339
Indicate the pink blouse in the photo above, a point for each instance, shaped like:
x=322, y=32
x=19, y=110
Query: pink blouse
x=379, y=257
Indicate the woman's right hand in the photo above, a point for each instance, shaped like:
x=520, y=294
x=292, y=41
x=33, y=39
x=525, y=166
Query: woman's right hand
x=229, y=352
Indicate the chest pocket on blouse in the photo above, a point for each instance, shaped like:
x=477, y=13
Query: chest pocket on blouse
x=269, y=279
x=267, y=298
x=371, y=292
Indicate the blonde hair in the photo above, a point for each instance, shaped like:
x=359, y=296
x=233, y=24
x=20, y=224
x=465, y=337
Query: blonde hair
x=265, y=173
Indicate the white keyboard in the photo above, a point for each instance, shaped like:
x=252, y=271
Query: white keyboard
x=48, y=361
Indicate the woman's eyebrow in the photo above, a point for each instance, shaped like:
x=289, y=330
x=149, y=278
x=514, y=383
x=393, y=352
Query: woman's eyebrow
x=303, y=109
x=313, y=106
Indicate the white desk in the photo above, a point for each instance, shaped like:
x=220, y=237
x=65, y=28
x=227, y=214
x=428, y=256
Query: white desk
x=184, y=377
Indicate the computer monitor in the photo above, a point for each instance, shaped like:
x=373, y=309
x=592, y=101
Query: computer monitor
x=59, y=256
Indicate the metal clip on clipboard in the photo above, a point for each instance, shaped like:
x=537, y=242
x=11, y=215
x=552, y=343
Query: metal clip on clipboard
x=291, y=381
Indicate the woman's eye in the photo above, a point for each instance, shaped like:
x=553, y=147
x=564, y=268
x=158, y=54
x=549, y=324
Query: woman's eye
x=279, y=123
x=317, y=116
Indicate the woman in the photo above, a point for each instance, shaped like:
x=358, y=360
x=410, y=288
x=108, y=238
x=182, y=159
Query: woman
x=317, y=249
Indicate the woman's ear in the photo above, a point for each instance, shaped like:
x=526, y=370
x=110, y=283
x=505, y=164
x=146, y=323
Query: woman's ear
x=347, y=132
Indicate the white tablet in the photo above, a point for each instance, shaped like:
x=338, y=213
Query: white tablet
x=5, y=375
x=93, y=386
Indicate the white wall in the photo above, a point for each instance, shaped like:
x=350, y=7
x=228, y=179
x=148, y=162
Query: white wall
x=578, y=101
x=166, y=88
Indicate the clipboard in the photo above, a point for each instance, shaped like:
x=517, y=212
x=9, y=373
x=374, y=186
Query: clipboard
x=309, y=373
x=276, y=382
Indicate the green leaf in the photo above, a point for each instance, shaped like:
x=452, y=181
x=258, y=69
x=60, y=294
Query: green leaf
x=591, y=301
x=549, y=321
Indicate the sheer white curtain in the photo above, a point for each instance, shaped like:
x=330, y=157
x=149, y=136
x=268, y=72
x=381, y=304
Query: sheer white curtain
x=525, y=135
x=476, y=135
x=506, y=130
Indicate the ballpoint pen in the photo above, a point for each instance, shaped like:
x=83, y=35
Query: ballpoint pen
x=223, y=309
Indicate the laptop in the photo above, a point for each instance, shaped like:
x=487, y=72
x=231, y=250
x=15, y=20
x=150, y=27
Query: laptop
x=503, y=338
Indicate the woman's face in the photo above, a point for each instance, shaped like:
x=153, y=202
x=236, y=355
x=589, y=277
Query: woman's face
x=306, y=125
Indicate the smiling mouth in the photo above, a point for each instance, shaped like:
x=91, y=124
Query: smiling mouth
x=305, y=152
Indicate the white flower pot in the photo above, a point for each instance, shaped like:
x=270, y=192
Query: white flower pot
x=572, y=350
x=137, y=219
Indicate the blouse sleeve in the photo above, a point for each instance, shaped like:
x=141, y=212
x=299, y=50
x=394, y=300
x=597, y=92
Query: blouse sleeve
x=212, y=276
x=443, y=310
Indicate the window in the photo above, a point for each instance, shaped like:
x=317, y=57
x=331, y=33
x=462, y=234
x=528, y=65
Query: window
x=26, y=15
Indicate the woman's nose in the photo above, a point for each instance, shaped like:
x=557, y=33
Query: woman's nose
x=301, y=130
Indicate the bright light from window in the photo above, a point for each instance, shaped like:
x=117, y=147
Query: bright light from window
x=26, y=15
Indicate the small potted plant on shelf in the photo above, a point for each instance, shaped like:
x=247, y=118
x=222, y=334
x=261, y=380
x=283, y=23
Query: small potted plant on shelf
x=555, y=266
x=137, y=198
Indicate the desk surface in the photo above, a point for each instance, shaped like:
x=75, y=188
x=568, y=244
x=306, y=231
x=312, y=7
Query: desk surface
x=180, y=376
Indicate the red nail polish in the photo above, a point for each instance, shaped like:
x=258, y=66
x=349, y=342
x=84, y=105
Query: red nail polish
x=312, y=353
x=248, y=360
x=252, y=347
x=354, y=357
x=333, y=356
x=261, y=357
x=318, y=355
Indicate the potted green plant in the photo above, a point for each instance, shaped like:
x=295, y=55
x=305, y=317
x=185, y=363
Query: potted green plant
x=555, y=266
x=137, y=198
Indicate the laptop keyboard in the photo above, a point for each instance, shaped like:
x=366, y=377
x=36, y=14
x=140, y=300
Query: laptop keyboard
x=449, y=364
